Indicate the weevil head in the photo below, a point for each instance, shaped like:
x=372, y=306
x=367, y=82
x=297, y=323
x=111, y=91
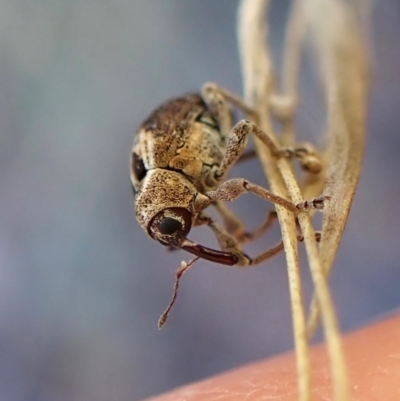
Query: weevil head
x=166, y=205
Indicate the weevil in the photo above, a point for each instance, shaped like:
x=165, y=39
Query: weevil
x=180, y=157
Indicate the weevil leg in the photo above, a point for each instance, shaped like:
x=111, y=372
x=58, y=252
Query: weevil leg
x=232, y=189
x=278, y=248
x=236, y=227
x=282, y=107
x=218, y=107
x=211, y=89
x=307, y=155
x=237, y=141
x=229, y=244
x=217, y=98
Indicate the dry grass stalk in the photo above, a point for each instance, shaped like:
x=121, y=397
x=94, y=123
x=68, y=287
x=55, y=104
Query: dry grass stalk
x=339, y=54
x=342, y=66
x=258, y=83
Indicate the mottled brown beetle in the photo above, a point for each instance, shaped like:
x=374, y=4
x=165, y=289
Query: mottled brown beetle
x=179, y=159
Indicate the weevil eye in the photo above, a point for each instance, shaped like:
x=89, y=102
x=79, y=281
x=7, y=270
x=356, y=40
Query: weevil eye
x=171, y=225
x=138, y=168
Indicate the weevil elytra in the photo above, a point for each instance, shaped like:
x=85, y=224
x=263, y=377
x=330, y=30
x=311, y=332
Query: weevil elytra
x=179, y=159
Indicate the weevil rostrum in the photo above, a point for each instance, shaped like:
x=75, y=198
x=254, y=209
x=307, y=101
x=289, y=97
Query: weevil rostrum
x=179, y=161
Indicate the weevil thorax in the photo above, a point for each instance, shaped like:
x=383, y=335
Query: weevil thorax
x=172, y=156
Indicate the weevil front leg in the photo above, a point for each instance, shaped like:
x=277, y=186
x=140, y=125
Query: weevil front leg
x=232, y=189
x=307, y=156
x=237, y=140
x=216, y=99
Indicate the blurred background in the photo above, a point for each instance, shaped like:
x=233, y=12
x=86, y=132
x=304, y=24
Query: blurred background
x=81, y=286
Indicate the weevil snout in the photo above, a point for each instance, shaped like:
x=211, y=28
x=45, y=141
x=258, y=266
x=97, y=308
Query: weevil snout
x=172, y=225
x=167, y=205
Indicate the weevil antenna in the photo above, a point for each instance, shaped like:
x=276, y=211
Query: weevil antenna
x=184, y=267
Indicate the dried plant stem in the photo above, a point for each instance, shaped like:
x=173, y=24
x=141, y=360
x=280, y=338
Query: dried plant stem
x=289, y=237
x=342, y=71
x=291, y=64
x=258, y=82
x=331, y=328
x=292, y=57
x=288, y=228
x=293, y=49
x=342, y=64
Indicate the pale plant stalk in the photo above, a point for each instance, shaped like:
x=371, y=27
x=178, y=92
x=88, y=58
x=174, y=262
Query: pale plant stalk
x=292, y=52
x=323, y=296
x=344, y=75
x=258, y=86
x=336, y=45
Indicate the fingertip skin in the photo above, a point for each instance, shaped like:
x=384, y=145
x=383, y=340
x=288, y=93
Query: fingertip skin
x=373, y=358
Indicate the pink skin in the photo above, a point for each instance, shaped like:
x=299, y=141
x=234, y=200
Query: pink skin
x=373, y=357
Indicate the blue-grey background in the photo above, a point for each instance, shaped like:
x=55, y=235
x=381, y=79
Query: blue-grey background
x=81, y=286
